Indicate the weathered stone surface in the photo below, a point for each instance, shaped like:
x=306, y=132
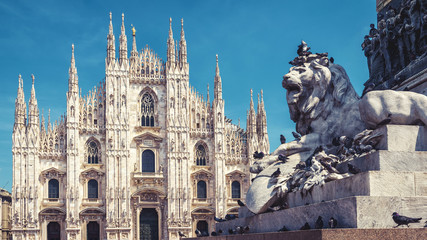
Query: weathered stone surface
x=373, y=183
x=261, y=193
x=245, y=212
x=390, y=161
x=403, y=138
x=351, y=212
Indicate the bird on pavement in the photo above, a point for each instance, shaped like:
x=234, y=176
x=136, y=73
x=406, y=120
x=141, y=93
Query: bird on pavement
x=297, y=136
x=276, y=173
x=282, y=139
x=198, y=233
x=332, y=222
x=240, y=203
x=305, y=227
x=319, y=223
x=181, y=234
x=403, y=220
x=213, y=234
x=231, y=231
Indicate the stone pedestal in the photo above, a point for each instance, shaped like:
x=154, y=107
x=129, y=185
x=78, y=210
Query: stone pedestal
x=393, y=179
x=331, y=234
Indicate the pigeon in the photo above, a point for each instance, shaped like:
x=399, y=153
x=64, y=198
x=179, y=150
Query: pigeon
x=220, y=232
x=282, y=139
x=353, y=169
x=181, y=234
x=240, y=203
x=283, y=229
x=283, y=158
x=329, y=167
x=198, y=233
x=258, y=155
x=297, y=136
x=426, y=224
x=231, y=231
x=319, y=223
x=219, y=219
x=305, y=227
x=214, y=234
x=336, y=141
x=230, y=217
x=276, y=173
x=332, y=222
x=205, y=234
x=300, y=166
x=309, y=162
x=242, y=230
x=348, y=142
x=303, y=49
x=402, y=220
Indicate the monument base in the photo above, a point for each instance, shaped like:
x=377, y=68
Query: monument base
x=333, y=234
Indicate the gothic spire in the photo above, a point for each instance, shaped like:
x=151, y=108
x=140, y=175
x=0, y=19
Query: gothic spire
x=171, y=44
x=123, y=42
x=218, y=82
x=42, y=127
x=33, y=111
x=20, y=105
x=111, y=49
x=251, y=118
x=182, y=45
x=73, y=80
x=134, y=52
x=208, y=97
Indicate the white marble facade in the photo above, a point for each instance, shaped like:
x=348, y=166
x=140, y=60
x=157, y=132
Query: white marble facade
x=142, y=153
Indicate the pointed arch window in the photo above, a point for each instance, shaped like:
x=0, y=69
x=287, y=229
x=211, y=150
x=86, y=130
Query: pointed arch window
x=201, y=189
x=92, y=152
x=235, y=189
x=200, y=155
x=53, y=188
x=92, y=189
x=148, y=161
x=147, y=110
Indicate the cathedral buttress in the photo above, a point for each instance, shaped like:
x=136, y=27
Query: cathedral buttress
x=219, y=129
x=117, y=134
x=73, y=166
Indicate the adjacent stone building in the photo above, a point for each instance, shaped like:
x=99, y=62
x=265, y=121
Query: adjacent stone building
x=5, y=217
x=141, y=156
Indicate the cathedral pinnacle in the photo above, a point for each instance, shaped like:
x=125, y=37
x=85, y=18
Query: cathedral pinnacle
x=171, y=45
x=20, y=106
x=33, y=112
x=218, y=83
x=123, y=42
x=72, y=78
x=217, y=67
x=182, y=30
x=111, y=49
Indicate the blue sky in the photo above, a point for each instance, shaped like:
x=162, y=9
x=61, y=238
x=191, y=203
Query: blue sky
x=255, y=40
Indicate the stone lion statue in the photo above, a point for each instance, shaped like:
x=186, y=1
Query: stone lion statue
x=324, y=105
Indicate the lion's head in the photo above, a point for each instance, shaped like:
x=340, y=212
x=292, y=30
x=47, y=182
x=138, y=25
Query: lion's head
x=314, y=87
